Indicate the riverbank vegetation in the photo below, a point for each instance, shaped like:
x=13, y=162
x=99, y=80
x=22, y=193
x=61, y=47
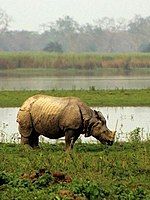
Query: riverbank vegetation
x=82, y=61
x=92, y=97
x=91, y=171
x=68, y=72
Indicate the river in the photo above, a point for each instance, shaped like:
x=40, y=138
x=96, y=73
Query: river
x=129, y=118
x=74, y=82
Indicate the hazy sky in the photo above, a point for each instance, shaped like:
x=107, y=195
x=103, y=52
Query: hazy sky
x=29, y=14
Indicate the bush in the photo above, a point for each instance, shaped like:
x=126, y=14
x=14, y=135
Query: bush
x=145, y=47
x=135, y=135
x=4, y=179
x=91, y=190
x=53, y=47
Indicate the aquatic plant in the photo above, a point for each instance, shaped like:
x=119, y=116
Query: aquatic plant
x=136, y=135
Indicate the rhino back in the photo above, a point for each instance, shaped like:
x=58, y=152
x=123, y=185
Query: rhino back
x=46, y=112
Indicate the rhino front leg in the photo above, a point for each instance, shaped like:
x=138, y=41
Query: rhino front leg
x=70, y=137
x=32, y=140
x=24, y=140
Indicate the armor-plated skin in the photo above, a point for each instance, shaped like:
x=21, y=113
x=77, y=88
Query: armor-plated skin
x=55, y=117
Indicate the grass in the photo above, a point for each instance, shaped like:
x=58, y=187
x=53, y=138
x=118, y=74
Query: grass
x=126, y=61
x=92, y=97
x=91, y=171
x=48, y=72
x=103, y=72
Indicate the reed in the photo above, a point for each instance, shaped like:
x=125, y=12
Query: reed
x=126, y=61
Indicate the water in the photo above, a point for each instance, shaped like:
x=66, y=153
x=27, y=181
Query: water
x=74, y=82
x=128, y=119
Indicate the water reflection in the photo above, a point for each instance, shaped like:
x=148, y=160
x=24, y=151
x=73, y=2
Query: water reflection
x=73, y=82
x=129, y=118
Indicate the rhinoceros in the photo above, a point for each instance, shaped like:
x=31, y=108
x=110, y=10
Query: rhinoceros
x=55, y=117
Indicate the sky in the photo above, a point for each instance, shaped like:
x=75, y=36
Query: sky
x=30, y=14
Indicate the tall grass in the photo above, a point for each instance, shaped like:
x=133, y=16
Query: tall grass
x=11, y=60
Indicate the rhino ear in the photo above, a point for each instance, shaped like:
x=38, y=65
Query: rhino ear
x=96, y=113
x=100, y=116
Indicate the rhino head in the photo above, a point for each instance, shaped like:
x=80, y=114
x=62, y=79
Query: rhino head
x=99, y=130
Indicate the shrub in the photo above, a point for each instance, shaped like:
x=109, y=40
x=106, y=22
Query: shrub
x=135, y=135
x=53, y=47
x=91, y=190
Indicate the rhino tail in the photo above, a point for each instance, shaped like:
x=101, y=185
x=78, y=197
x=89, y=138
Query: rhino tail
x=25, y=123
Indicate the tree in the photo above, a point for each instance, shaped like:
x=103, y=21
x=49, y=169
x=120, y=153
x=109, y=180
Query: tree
x=139, y=28
x=145, y=47
x=65, y=31
x=4, y=21
x=65, y=34
x=53, y=47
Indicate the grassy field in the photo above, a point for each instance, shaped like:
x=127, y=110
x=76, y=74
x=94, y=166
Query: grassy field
x=91, y=97
x=126, y=61
x=48, y=72
x=91, y=171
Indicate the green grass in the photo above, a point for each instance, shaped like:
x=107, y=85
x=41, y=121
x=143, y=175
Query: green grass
x=102, y=72
x=91, y=97
x=95, y=172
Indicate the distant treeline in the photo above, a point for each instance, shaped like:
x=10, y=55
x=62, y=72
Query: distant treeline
x=67, y=35
x=12, y=60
